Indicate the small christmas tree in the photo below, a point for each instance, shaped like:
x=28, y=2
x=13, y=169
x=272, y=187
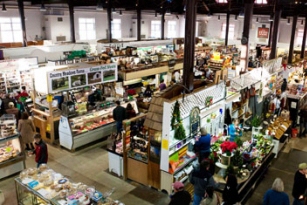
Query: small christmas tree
x=176, y=123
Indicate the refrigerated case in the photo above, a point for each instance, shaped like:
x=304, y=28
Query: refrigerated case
x=12, y=157
x=77, y=131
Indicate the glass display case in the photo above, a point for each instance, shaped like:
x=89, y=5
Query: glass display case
x=44, y=186
x=94, y=125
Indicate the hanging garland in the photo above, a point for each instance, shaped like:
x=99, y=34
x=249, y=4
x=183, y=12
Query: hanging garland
x=176, y=123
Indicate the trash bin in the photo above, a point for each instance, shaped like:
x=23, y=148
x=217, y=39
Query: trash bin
x=294, y=132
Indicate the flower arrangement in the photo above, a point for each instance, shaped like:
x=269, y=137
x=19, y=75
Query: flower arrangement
x=228, y=146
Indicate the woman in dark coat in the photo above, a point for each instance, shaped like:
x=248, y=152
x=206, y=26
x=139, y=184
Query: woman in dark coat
x=230, y=192
x=130, y=112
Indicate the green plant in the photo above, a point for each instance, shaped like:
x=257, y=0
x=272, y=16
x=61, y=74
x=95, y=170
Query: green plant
x=238, y=141
x=256, y=121
x=237, y=159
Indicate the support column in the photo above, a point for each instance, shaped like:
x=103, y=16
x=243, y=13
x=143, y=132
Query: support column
x=292, y=38
x=72, y=21
x=23, y=23
x=138, y=23
x=275, y=29
x=270, y=34
x=109, y=14
x=189, y=45
x=248, y=13
x=304, y=40
x=227, y=27
x=162, y=24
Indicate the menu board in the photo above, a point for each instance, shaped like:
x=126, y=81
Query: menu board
x=79, y=77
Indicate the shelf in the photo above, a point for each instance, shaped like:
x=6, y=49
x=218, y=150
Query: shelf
x=2, y=140
x=184, y=179
x=188, y=139
x=187, y=161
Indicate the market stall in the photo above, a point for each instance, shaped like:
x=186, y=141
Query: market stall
x=12, y=155
x=45, y=186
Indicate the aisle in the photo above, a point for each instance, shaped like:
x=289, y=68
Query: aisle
x=284, y=167
x=90, y=166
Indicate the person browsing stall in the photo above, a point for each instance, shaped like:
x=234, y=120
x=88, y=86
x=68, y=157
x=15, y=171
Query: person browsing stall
x=180, y=196
x=201, y=178
x=232, y=129
x=202, y=145
x=41, y=150
x=276, y=194
x=300, y=184
x=119, y=114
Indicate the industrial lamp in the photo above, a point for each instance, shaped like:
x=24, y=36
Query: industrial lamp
x=4, y=8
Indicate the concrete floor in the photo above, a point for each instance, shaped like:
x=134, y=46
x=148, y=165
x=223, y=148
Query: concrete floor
x=90, y=166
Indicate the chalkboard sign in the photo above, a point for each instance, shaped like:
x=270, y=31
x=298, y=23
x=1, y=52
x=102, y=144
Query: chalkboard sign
x=194, y=121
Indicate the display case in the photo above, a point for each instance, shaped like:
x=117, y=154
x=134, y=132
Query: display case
x=12, y=157
x=44, y=186
x=80, y=130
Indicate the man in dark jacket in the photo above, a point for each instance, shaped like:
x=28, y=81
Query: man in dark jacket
x=201, y=178
x=119, y=114
x=202, y=146
x=300, y=184
x=180, y=196
x=41, y=151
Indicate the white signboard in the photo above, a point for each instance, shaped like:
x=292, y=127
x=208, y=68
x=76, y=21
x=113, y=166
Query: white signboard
x=80, y=77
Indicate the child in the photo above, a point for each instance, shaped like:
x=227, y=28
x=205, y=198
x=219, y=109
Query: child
x=41, y=151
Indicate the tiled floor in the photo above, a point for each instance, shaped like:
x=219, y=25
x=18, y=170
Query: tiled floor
x=90, y=166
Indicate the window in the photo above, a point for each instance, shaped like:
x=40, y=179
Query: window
x=155, y=29
x=87, y=29
x=10, y=30
x=299, y=37
x=116, y=28
x=221, y=1
x=231, y=32
x=171, y=29
x=261, y=1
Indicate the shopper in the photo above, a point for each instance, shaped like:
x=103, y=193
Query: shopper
x=300, y=184
x=232, y=129
x=277, y=105
x=13, y=110
x=26, y=130
x=5, y=102
x=284, y=85
x=201, y=178
x=119, y=114
x=276, y=194
x=180, y=196
x=230, y=192
x=148, y=92
x=202, y=145
x=162, y=85
x=41, y=150
x=211, y=198
x=130, y=112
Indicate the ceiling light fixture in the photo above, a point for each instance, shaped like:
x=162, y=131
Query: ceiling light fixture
x=241, y=14
x=177, y=16
x=99, y=6
x=209, y=15
x=219, y=17
x=4, y=8
x=113, y=11
x=43, y=8
x=302, y=22
x=271, y=17
x=120, y=12
x=168, y=12
x=156, y=14
x=257, y=19
x=236, y=17
x=289, y=21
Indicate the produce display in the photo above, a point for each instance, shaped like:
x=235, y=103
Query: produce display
x=56, y=189
x=90, y=121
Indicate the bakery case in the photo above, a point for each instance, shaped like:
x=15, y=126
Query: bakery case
x=77, y=131
x=12, y=156
x=43, y=186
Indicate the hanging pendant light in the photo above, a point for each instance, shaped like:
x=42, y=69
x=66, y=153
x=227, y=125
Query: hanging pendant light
x=289, y=21
x=4, y=8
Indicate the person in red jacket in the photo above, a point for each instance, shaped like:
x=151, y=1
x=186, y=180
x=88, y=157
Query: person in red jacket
x=41, y=151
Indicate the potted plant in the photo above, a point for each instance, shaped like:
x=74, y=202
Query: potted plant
x=237, y=160
x=256, y=121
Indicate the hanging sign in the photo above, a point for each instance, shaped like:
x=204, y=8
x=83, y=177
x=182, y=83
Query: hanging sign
x=263, y=32
x=74, y=78
x=194, y=121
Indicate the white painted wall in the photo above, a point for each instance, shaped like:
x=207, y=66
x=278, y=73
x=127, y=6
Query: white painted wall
x=56, y=28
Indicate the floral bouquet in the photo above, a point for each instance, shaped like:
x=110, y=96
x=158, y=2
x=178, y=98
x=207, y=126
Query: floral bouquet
x=228, y=146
